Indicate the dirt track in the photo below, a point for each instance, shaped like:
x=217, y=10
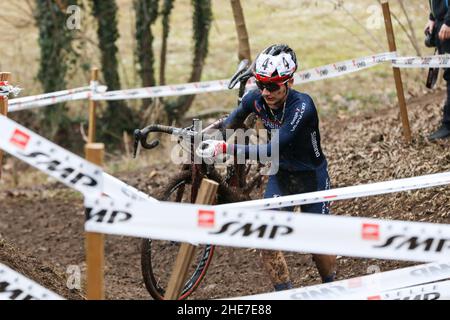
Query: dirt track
x=44, y=223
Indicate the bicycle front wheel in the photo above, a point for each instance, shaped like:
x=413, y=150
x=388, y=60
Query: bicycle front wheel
x=158, y=257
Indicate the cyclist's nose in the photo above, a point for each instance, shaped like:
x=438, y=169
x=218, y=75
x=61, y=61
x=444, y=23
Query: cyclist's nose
x=265, y=92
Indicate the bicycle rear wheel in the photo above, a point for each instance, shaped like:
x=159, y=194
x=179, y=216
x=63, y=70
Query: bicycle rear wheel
x=158, y=256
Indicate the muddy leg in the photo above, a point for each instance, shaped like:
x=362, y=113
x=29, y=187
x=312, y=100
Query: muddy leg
x=326, y=265
x=275, y=265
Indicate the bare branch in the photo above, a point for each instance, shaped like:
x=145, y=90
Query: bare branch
x=413, y=38
x=342, y=6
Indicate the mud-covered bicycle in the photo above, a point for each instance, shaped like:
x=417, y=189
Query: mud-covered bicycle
x=235, y=185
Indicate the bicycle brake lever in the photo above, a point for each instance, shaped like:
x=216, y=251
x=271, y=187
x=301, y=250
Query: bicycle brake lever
x=137, y=138
x=242, y=68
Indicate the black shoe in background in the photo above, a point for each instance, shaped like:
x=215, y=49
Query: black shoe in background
x=442, y=133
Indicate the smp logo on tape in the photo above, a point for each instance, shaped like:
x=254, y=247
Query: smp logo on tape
x=322, y=72
x=63, y=170
x=426, y=60
x=444, y=60
x=396, y=295
x=11, y=291
x=359, y=63
x=262, y=231
x=426, y=244
x=340, y=68
x=20, y=139
x=107, y=216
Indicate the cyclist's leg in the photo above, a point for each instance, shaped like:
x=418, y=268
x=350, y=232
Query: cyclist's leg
x=274, y=261
x=326, y=264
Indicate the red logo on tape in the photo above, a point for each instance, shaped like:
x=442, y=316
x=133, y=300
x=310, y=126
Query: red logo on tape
x=20, y=139
x=206, y=218
x=370, y=231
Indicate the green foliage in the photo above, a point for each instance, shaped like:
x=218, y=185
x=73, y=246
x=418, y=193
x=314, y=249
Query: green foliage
x=106, y=14
x=57, y=57
x=165, y=12
x=202, y=20
x=118, y=117
x=201, y=23
x=146, y=14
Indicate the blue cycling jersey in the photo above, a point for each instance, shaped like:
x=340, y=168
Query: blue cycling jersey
x=298, y=124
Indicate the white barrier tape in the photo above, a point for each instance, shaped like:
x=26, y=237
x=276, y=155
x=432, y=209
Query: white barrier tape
x=48, y=95
x=363, y=287
x=313, y=74
x=432, y=291
x=39, y=102
x=437, y=61
x=6, y=89
x=164, y=91
x=365, y=190
x=14, y=286
x=347, y=236
x=118, y=189
x=329, y=71
x=342, y=68
x=64, y=166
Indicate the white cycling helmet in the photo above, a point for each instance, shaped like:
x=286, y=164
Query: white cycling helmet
x=277, y=63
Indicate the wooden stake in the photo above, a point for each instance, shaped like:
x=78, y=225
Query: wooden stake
x=397, y=74
x=92, y=110
x=94, y=244
x=4, y=76
x=206, y=195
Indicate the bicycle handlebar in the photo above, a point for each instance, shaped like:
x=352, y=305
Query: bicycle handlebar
x=140, y=136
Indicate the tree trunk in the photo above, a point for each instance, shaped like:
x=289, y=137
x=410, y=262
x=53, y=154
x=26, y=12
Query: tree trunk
x=202, y=19
x=55, y=41
x=146, y=14
x=117, y=117
x=166, y=11
x=243, y=40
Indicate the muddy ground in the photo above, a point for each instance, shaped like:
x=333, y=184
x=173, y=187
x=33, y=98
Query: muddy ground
x=41, y=228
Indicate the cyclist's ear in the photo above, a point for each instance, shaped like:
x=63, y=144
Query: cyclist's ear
x=291, y=82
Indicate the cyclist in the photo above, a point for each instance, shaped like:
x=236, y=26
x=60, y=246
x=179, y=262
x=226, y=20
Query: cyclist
x=302, y=164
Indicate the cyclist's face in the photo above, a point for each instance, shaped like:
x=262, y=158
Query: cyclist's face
x=275, y=99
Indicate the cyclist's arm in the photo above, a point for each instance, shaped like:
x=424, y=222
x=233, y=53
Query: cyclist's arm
x=295, y=119
x=236, y=119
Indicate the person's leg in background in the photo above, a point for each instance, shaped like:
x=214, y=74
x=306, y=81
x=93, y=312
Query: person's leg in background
x=446, y=118
x=274, y=261
x=444, y=130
